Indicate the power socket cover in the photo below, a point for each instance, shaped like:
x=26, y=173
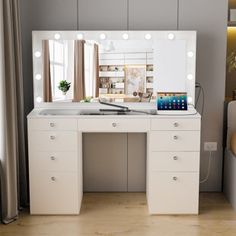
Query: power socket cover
x=210, y=146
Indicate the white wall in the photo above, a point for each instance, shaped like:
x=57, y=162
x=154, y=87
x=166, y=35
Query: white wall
x=211, y=25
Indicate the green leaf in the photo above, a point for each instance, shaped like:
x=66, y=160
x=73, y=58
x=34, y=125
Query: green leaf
x=64, y=86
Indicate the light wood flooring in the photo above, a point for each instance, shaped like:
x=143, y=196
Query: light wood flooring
x=121, y=214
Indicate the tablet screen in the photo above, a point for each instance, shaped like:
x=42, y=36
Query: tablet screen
x=172, y=101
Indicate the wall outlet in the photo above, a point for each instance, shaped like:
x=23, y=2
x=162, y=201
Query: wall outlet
x=210, y=146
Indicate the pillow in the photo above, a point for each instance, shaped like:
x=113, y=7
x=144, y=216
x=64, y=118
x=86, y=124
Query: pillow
x=233, y=143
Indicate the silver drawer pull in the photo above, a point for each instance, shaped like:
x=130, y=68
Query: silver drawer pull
x=53, y=158
x=114, y=124
x=52, y=137
x=176, y=124
x=175, y=158
x=53, y=178
x=175, y=178
x=52, y=124
x=175, y=137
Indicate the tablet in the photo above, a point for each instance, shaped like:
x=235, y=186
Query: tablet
x=172, y=101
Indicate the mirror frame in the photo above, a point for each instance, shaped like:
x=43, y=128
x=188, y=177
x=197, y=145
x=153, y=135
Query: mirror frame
x=38, y=36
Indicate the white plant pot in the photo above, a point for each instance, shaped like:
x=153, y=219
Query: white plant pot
x=64, y=95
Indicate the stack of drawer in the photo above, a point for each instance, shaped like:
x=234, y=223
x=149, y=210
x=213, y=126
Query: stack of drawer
x=173, y=166
x=54, y=166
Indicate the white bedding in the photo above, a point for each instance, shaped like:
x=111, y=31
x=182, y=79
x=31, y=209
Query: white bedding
x=229, y=186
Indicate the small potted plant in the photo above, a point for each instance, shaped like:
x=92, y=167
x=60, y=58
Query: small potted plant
x=87, y=99
x=64, y=86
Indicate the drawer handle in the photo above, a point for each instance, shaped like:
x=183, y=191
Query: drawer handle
x=175, y=137
x=53, y=158
x=176, y=124
x=53, y=178
x=175, y=178
x=114, y=124
x=175, y=158
x=52, y=137
x=52, y=124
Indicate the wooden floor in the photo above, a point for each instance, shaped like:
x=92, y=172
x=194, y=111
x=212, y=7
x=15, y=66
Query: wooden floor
x=112, y=214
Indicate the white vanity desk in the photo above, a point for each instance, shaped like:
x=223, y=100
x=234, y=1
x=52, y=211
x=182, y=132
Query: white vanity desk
x=129, y=61
x=55, y=159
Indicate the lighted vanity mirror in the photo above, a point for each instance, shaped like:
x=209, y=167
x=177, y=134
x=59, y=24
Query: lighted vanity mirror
x=118, y=66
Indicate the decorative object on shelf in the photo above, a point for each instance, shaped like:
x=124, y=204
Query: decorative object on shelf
x=232, y=15
x=231, y=61
x=64, y=86
x=149, y=90
x=231, y=66
x=103, y=68
x=135, y=78
x=143, y=97
x=149, y=79
x=149, y=67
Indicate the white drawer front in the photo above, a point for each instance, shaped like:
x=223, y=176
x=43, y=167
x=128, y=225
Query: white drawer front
x=52, y=124
x=53, y=141
x=54, y=161
x=173, y=193
x=175, y=124
x=113, y=125
x=54, y=193
x=174, y=161
x=174, y=140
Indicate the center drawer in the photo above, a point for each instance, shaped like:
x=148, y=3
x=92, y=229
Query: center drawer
x=114, y=125
x=53, y=140
x=174, y=141
x=174, y=161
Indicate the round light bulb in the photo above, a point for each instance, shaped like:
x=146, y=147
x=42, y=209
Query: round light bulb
x=125, y=36
x=39, y=99
x=190, y=54
x=38, y=77
x=171, y=36
x=102, y=36
x=37, y=54
x=57, y=36
x=190, y=100
x=148, y=36
x=189, y=76
x=80, y=36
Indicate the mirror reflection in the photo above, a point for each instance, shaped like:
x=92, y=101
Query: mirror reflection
x=85, y=70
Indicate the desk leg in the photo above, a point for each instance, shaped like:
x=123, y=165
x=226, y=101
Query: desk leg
x=80, y=168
